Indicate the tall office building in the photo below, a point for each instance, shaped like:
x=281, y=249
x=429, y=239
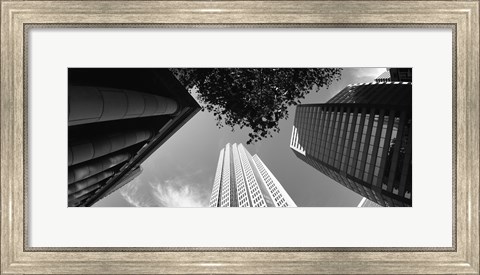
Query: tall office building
x=367, y=203
x=116, y=119
x=361, y=138
x=395, y=74
x=245, y=181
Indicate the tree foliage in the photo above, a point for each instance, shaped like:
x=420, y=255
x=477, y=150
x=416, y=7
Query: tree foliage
x=257, y=98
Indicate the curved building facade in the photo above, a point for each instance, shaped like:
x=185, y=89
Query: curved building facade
x=116, y=119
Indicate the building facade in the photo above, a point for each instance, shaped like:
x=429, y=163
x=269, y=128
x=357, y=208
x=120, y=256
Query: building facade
x=243, y=180
x=361, y=138
x=116, y=119
x=367, y=203
x=395, y=74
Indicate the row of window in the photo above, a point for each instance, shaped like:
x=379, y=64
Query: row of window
x=357, y=187
x=389, y=93
x=325, y=149
x=242, y=197
x=352, y=185
x=277, y=196
x=255, y=194
x=329, y=147
x=226, y=178
x=216, y=182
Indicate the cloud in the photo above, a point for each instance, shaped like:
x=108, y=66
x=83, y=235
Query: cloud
x=131, y=193
x=177, y=191
x=131, y=199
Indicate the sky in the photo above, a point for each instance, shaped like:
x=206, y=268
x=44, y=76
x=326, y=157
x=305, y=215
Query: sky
x=181, y=172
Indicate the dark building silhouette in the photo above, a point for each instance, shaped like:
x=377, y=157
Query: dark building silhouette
x=116, y=119
x=361, y=138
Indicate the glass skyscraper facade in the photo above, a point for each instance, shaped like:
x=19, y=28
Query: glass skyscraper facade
x=361, y=138
x=243, y=180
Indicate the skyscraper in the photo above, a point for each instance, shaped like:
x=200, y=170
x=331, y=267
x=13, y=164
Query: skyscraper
x=116, y=119
x=367, y=203
x=395, y=74
x=361, y=138
x=245, y=181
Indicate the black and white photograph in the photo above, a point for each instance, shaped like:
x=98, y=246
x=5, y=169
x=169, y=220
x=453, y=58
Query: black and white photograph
x=240, y=137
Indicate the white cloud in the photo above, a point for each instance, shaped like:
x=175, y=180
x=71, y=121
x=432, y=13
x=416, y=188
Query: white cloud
x=178, y=191
x=130, y=193
x=131, y=200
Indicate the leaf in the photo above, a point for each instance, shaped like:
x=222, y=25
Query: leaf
x=256, y=98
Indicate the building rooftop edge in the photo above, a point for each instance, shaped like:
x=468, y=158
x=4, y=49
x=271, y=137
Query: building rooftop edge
x=379, y=83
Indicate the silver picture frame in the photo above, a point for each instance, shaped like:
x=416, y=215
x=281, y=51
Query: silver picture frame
x=18, y=16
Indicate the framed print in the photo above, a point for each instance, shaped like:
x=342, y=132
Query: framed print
x=158, y=137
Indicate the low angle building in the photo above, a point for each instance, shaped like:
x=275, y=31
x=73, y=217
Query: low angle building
x=361, y=138
x=116, y=119
x=367, y=203
x=395, y=74
x=243, y=180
